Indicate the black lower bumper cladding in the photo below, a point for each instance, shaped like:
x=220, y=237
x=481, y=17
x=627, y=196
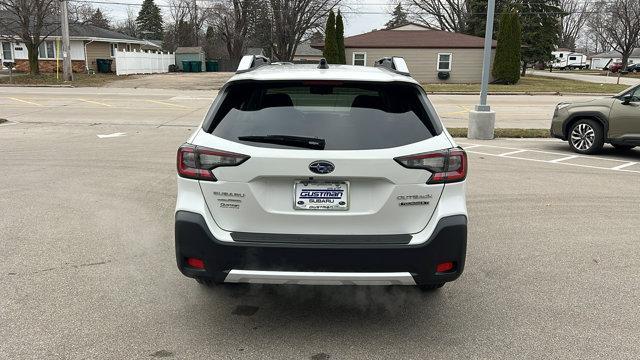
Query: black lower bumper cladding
x=447, y=243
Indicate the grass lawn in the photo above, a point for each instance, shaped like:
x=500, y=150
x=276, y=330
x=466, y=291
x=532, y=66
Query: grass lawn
x=533, y=84
x=506, y=133
x=50, y=79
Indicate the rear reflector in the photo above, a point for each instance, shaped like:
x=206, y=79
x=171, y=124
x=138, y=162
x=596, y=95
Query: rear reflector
x=195, y=263
x=198, y=162
x=444, y=267
x=446, y=166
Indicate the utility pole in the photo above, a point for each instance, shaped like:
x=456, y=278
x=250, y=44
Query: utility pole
x=194, y=22
x=482, y=120
x=67, y=73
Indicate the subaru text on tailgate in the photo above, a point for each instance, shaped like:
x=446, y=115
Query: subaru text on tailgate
x=321, y=174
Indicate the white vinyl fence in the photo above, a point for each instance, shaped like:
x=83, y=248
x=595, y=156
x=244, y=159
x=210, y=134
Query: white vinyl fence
x=140, y=62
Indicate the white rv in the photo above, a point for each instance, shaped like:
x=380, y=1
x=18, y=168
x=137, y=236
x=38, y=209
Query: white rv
x=565, y=59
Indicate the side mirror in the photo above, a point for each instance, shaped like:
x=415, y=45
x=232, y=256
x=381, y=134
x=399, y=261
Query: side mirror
x=627, y=99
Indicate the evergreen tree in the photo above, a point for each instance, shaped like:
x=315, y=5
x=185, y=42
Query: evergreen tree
x=149, y=21
x=340, y=39
x=330, y=51
x=97, y=19
x=540, y=30
x=506, y=64
x=398, y=17
x=477, y=20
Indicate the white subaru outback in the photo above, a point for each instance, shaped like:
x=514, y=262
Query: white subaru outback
x=321, y=174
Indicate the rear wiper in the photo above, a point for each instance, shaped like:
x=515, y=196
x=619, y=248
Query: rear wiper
x=297, y=141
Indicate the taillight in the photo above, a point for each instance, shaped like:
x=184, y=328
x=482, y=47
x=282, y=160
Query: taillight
x=197, y=162
x=447, y=166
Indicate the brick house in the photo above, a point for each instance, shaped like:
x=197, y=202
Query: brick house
x=87, y=42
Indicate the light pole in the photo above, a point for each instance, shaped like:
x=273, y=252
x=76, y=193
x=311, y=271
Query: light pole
x=482, y=119
x=67, y=73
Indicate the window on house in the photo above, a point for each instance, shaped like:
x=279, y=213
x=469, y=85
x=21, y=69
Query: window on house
x=444, y=61
x=47, y=50
x=561, y=55
x=6, y=51
x=359, y=59
x=572, y=58
x=114, y=49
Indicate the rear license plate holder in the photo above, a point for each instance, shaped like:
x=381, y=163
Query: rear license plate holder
x=321, y=195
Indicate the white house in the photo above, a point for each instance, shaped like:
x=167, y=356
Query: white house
x=567, y=59
x=87, y=43
x=600, y=61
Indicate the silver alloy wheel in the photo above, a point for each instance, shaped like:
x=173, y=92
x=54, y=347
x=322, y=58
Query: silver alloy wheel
x=583, y=136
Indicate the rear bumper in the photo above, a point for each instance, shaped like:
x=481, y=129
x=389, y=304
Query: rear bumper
x=320, y=263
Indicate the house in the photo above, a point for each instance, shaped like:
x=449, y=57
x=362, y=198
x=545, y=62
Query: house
x=87, y=43
x=603, y=60
x=306, y=53
x=567, y=59
x=433, y=56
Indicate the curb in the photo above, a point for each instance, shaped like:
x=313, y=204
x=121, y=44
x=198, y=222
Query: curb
x=35, y=85
x=536, y=93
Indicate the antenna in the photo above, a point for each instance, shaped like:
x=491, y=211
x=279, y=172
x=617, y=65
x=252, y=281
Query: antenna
x=323, y=64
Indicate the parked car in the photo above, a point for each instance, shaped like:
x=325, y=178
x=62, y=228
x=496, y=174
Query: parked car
x=588, y=125
x=321, y=174
x=615, y=67
x=635, y=68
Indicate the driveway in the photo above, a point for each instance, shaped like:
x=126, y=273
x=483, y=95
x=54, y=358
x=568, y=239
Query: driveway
x=182, y=81
x=588, y=78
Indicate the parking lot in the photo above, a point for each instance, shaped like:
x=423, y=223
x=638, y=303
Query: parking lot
x=88, y=265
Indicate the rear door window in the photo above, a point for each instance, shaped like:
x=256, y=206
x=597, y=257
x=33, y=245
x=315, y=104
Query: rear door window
x=346, y=116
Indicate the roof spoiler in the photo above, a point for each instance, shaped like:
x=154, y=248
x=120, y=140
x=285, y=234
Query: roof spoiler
x=393, y=63
x=251, y=62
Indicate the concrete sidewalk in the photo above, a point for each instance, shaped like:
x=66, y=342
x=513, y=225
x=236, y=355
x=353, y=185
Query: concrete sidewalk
x=613, y=79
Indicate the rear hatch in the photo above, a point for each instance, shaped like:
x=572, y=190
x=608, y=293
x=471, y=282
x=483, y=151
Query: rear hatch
x=321, y=158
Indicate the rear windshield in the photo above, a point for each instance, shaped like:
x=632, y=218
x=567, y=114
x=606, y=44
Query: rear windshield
x=343, y=115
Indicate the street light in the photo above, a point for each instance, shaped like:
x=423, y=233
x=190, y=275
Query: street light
x=482, y=120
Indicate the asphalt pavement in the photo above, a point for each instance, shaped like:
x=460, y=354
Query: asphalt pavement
x=187, y=107
x=88, y=267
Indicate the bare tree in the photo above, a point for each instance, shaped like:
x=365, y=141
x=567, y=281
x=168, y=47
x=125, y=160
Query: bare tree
x=617, y=23
x=573, y=23
x=447, y=15
x=128, y=26
x=293, y=21
x=31, y=21
x=232, y=20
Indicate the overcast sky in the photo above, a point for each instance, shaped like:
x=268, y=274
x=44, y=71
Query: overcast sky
x=361, y=22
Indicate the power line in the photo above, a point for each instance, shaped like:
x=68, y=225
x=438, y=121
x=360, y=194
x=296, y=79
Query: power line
x=355, y=12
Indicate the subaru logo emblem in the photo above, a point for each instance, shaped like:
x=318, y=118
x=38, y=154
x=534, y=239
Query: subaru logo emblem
x=321, y=167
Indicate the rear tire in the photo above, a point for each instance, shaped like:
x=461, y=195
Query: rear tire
x=623, y=147
x=586, y=136
x=430, y=287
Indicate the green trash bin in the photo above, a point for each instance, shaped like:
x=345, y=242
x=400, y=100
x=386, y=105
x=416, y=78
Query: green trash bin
x=212, y=65
x=196, y=66
x=186, y=66
x=103, y=65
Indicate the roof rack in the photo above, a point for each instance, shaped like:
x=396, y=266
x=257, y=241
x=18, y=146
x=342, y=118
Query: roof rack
x=393, y=63
x=251, y=62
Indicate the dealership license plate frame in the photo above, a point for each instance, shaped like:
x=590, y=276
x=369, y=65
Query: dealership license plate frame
x=319, y=184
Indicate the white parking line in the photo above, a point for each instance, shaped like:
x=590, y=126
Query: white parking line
x=623, y=165
x=512, y=152
x=564, y=158
x=168, y=104
x=560, y=161
x=94, y=102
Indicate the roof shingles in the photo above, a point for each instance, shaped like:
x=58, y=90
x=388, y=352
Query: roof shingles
x=434, y=39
